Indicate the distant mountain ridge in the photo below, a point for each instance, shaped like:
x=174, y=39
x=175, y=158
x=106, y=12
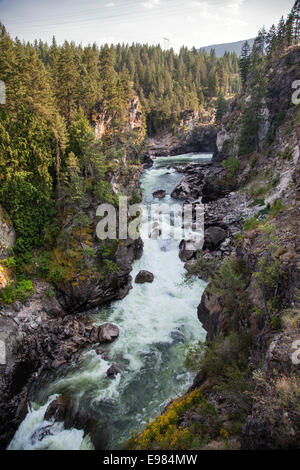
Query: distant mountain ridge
x=228, y=47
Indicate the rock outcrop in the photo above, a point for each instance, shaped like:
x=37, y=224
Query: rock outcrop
x=193, y=136
x=7, y=234
x=101, y=119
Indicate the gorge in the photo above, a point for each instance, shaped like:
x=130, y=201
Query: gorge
x=150, y=343
x=156, y=321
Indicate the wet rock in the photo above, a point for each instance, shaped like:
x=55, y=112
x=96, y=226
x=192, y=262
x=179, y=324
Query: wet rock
x=41, y=433
x=143, y=277
x=112, y=371
x=146, y=160
x=160, y=194
x=58, y=409
x=107, y=333
x=213, y=237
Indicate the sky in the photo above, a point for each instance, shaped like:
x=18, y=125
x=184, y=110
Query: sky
x=192, y=23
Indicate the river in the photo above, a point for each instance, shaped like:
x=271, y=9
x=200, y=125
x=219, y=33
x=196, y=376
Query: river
x=157, y=321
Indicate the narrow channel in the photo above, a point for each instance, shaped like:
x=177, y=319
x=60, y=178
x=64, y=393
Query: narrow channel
x=157, y=322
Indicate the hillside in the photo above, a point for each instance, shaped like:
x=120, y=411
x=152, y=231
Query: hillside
x=231, y=47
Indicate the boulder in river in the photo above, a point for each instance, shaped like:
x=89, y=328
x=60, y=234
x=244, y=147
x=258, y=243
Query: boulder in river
x=143, y=277
x=160, y=194
x=107, y=333
x=213, y=237
x=112, y=371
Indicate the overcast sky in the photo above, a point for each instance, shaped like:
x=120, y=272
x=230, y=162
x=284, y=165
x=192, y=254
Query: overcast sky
x=191, y=23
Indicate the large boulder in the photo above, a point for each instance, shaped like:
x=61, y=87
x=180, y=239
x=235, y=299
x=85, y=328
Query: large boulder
x=160, y=194
x=186, y=252
x=105, y=333
x=108, y=333
x=213, y=237
x=143, y=277
x=58, y=409
x=112, y=371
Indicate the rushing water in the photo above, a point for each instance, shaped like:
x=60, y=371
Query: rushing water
x=156, y=323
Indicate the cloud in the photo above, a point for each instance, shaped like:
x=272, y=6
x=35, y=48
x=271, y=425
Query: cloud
x=151, y=4
x=109, y=5
x=233, y=7
x=227, y=14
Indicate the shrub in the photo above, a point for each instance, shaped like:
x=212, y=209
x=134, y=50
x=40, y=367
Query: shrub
x=230, y=283
x=20, y=290
x=166, y=433
x=269, y=273
x=202, y=267
x=287, y=154
x=9, y=262
x=276, y=208
x=57, y=273
x=232, y=166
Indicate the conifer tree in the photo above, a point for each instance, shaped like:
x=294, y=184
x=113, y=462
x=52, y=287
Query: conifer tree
x=244, y=63
x=221, y=108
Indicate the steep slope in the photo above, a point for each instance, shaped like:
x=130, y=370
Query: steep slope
x=246, y=392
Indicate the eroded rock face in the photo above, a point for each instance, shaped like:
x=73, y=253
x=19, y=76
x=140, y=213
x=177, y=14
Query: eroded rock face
x=35, y=341
x=196, y=137
x=7, y=234
x=146, y=160
x=83, y=295
x=102, y=120
x=144, y=277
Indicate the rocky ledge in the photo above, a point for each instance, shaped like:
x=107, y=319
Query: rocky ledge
x=39, y=337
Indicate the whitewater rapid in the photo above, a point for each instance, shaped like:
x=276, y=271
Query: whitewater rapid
x=157, y=321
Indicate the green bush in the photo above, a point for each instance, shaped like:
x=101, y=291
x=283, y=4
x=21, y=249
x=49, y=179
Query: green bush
x=203, y=268
x=232, y=166
x=276, y=208
x=20, y=290
x=9, y=262
x=251, y=224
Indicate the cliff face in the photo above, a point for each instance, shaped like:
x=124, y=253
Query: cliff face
x=105, y=272
x=195, y=133
x=266, y=304
x=248, y=370
x=101, y=118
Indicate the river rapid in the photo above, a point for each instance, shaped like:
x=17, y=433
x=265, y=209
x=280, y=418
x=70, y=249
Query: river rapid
x=157, y=322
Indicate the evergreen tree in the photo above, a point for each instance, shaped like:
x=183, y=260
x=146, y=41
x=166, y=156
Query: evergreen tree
x=221, y=108
x=244, y=63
